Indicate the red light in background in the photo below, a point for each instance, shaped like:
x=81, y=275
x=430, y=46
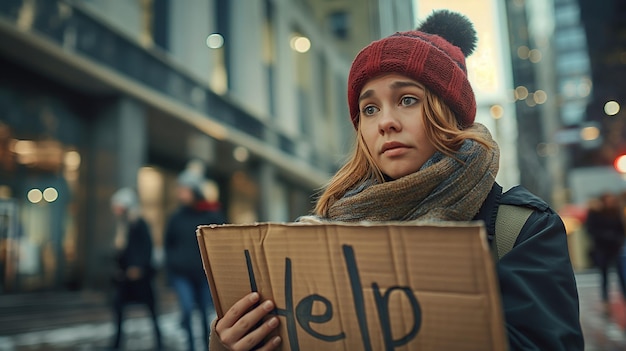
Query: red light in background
x=620, y=164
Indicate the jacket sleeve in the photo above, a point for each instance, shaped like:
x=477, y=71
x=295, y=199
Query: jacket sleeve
x=538, y=288
x=214, y=341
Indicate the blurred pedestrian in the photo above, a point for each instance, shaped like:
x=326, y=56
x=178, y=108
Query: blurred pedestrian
x=182, y=254
x=419, y=156
x=606, y=228
x=134, y=271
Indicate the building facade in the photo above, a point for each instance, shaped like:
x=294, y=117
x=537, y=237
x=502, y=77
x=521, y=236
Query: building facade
x=99, y=94
x=602, y=22
x=490, y=73
x=542, y=160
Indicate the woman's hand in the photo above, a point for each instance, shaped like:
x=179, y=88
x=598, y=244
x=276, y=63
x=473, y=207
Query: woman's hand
x=238, y=328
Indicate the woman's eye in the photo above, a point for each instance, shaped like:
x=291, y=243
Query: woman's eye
x=408, y=100
x=369, y=110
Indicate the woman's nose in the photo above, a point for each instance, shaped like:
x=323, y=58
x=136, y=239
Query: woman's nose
x=388, y=123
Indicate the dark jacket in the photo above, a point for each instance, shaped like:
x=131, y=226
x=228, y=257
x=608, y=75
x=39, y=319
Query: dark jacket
x=182, y=253
x=536, y=278
x=606, y=229
x=137, y=253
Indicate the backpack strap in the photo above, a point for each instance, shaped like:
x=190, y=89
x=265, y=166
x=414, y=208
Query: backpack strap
x=509, y=223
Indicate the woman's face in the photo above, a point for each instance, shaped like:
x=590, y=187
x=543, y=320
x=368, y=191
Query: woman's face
x=185, y=195
x=118, y=210
x=392, y=124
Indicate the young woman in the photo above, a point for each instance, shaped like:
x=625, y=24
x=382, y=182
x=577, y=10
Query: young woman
x=134, y=273
x=419, y=156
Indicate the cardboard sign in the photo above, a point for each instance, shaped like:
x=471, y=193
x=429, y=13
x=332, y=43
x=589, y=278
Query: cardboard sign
x=386, y=286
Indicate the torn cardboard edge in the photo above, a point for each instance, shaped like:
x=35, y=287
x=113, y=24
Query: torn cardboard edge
x=372, y=286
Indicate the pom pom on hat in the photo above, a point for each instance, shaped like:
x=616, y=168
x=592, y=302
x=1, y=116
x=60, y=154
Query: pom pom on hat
x=433, y=55
x=453, y=27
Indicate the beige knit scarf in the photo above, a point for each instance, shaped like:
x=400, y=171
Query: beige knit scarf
x=444, y=189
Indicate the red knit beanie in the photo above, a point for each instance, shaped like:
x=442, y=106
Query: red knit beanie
x=433, y=55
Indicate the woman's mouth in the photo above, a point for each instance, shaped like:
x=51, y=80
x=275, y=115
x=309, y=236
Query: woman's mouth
x=393, y=148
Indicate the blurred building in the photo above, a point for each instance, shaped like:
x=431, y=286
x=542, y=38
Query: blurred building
x=594, y=168
x=490, y=72
x=604, y=24
x=530, y=117
x=551, y=87
x=567, y=59
x=99, y=94
x=569, y=66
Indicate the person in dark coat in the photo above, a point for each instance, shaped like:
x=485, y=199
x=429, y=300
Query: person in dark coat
x=605, y=226
x=182, y=253
x=420, y=156
x=134, y=271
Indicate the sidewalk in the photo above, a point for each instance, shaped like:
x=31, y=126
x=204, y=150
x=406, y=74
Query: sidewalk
x=97, y=336
x=84, y=321
x=602, y=331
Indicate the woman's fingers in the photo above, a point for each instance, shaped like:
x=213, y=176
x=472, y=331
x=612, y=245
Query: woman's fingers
x=245, y=332
x=237, y=311
x=272, y=344
x=247, y=322
x=257, y=335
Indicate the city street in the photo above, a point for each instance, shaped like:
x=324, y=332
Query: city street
x=602, y=332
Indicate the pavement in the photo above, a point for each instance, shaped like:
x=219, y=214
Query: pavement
x=82, y=321
x=604, y=328
x=97, y=336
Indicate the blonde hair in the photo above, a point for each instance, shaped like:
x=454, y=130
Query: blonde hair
x=442, y=130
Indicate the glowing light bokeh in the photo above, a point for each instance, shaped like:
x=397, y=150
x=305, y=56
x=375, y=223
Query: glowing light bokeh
x=50, y=194
x=300, y=44
x=611, y=108
x=215, y=41
x=34, y=195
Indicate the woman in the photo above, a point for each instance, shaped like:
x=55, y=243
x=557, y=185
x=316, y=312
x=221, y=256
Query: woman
x=134, y=271
x=420, y=157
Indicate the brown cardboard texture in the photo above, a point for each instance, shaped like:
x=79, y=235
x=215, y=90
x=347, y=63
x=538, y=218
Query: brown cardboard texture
x=388, y=286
